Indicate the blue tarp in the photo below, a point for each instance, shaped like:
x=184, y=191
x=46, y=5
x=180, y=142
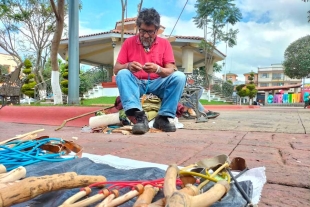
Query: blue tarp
x=85, y=166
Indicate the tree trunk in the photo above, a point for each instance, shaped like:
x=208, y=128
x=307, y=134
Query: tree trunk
x=59, y=13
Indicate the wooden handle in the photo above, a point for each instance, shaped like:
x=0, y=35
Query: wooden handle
x=180, y=199
x=13, y=175
x=2, y=169
x=211, y=196
x=76, y=197
x=88, y=201
x=190, y=190
x=170, y=180
x=33, y=186
x=158, y=203
x=146, y=197
x=126, y=197
x=106, y=201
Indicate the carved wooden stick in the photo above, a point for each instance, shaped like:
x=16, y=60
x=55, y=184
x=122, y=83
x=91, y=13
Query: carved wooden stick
x=126, y=197
x=107, y=200
x=2, y=169
x=88, y=201
x=179, y=199
x=146, y=197
x=31, y=187
x=13, y=175
x=83, y=192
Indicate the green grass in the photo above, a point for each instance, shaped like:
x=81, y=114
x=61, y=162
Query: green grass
x=111, y=100
x=100, y=100
x=206, y=102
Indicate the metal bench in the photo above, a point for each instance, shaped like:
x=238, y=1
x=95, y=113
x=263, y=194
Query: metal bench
x=10, y=88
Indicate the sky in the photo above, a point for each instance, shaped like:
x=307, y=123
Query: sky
x=266, y=30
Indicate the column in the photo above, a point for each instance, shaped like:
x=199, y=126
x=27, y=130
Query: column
x=187, y=58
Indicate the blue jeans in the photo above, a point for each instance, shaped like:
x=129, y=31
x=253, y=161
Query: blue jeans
x=168, y=89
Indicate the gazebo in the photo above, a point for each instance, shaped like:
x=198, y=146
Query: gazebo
x=101, y=49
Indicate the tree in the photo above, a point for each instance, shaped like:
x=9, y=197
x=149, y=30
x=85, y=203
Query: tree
x=296, y=58
x=213, y=16
x=26, y=30
x=252, y=88
x=4, y=69
x=59, y=12
x=29, y=82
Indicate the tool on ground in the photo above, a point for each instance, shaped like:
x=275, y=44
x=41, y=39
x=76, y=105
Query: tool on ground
x=76, y=117
x=83, y=192
x=238, y=164
x=244, y=195
x=188, y=196
x=26, y=136
x=31, y=187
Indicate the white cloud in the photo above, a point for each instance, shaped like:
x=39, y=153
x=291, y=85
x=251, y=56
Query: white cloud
x=259, y=44
x=266, y=31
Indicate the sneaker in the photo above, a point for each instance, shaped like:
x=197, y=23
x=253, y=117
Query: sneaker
x=212, y=114
x=162, y=123
x=142, y=125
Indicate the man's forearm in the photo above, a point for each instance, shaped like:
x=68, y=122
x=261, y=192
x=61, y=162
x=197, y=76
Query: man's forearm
x=119, y=67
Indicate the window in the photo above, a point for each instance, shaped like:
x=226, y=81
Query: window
x=264, y=75
x=277, y=84
x=277, y=76
x=264, y=84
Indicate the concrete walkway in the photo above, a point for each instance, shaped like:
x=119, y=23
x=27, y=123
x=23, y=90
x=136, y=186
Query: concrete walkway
x=276, y=138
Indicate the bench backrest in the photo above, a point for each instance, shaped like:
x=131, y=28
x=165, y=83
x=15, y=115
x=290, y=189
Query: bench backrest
x=11, y=84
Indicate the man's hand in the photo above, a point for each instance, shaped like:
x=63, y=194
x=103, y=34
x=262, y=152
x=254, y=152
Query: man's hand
x=134, y=66
x=150, y=67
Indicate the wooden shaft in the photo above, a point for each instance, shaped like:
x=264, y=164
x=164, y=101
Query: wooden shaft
x=211, y=196
x=2, y=169
x=126, y=197
x=106, y=201
x=146, y=197
x=21, y=136
x=13, y=175
x=76, y=197
x=158, y=203
x=180, y=199
x=88, y=201
x=31, y=187
x=190, y=190
x=170, y=180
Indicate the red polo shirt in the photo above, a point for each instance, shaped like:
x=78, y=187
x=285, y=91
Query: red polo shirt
x=160, y=53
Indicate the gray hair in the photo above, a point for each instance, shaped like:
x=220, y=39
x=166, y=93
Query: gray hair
x=148, y=17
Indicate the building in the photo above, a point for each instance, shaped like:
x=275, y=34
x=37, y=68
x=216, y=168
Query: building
x=231, y=77
x=8, y=62
x=274, y=76
x=255, y=78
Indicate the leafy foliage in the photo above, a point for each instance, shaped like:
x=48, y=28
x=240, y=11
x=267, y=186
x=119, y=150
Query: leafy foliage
x=213, y=16
x=249, y=90
x=64, y=72
x=296, y=58
x=29, y=82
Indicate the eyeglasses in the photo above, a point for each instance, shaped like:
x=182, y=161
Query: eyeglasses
x=149, y=32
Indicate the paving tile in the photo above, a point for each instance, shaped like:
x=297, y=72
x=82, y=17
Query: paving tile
x=279, y=195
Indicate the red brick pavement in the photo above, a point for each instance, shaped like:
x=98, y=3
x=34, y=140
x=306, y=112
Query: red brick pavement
x=285, y=156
